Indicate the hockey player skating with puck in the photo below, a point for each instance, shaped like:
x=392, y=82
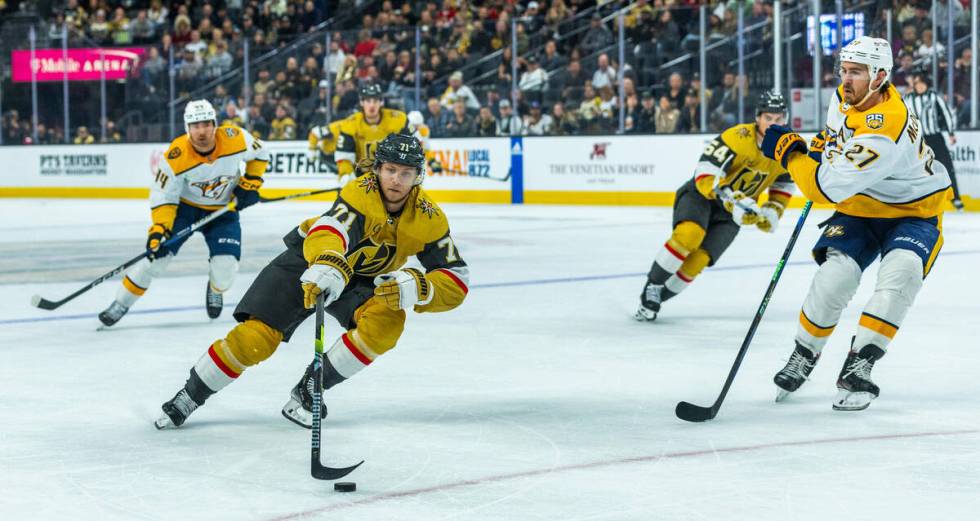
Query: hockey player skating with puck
x=200, y=173
x=873, y=164
x=355, y=255
x=710, y=208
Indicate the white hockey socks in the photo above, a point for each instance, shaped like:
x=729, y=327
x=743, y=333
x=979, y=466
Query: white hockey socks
x=832, y=288
x=899, y=281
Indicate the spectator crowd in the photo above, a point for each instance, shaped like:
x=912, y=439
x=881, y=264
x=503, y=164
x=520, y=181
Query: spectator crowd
x=473, y=68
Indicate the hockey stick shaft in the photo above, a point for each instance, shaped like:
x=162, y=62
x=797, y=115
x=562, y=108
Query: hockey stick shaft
x=690, y=412
x=299, y=195
x=317, y=469
x=43, y=303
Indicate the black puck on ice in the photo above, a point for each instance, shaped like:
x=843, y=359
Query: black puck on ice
x=345, y=486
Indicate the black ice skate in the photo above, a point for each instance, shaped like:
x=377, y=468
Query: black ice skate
x=176, y=411
x=214, y=302
x=112, y=314
x=299, y=408
x=958, y=204
x=649, y=302
x=797, y=371
x=855, y=388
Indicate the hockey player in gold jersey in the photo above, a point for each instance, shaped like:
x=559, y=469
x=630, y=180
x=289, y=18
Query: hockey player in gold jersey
x=872, y=163
x=354, y=254
x=716, y=202
x=202, y=171
x=356, y=137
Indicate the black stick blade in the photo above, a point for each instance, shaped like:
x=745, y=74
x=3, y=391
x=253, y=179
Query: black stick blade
x=319, y=471
x=694, y=413
x=43, y=303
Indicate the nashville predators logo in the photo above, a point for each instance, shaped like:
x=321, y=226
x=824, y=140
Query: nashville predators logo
x=875, y=121
x=369, y=183
x=371, y=258
x=174, y=153
x=426, y=207
x=213, y=188
x=834, y=230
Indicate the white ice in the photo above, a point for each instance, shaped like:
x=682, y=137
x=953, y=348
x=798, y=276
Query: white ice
x=538, y=399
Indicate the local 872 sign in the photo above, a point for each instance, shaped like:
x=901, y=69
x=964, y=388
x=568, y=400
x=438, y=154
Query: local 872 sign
x=83, y=64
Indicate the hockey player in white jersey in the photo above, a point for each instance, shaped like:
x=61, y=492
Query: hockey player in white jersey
x=872, y=163
x=202, y=171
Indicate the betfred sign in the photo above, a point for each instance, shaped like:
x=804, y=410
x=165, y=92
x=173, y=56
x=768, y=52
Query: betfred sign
x=85, y=64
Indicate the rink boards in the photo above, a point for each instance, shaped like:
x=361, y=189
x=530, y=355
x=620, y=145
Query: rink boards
x=595, y=170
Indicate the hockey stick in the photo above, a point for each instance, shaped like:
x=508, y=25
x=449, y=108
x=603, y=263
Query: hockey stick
x=694, y=413
x=43, y=303
x=297, y=196
x=317, y=469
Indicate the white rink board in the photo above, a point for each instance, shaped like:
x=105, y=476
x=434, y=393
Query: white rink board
x=598, y=164
x=611, y=163
x=92, y=166
x=966, y=161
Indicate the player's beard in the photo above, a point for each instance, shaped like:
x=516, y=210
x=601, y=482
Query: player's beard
x=400, y=201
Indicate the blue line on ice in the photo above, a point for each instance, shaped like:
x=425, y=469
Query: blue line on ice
x=489, y=285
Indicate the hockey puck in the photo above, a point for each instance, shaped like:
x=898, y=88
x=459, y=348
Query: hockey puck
x=345, y=486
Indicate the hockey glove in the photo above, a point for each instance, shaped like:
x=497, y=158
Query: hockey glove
x=403, y=289
x=245, y=198
x=780, y=142
x=744, y=210
x=155, y=237
x=329, y=275
x=769, y=215
x=817, y=145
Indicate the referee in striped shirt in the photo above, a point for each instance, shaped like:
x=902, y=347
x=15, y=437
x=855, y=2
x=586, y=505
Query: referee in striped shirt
x=935, y=117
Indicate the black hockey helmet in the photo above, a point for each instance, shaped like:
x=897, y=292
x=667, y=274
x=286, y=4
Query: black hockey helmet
x=770, y=101
x=370, y=90
x=402, y=149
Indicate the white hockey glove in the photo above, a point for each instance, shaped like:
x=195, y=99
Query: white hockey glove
x=329, y=275
x=403, y=289
x=769, y=215
x=745, y=211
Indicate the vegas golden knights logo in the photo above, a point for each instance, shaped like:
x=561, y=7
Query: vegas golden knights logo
x=371, y=258
x=834, y=230
x=748, y=181
x=427, y=208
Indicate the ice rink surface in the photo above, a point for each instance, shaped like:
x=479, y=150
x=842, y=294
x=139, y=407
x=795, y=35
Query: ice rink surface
x=538, y=399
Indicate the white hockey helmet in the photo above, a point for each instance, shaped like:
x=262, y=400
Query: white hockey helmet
x=415, y=118
x=876, y=53
x=197, y=111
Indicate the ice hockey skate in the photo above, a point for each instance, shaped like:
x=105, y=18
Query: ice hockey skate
x=649, y=302
x=176, y=411
x=214, y=302
x=299, y=408
x=112, y=314
x=796, y=372
x=855, y=388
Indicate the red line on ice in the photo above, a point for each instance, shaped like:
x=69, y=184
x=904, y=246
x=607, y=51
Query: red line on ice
x=597, y=464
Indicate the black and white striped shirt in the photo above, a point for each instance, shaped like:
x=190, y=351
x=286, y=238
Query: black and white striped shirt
x=932, y=111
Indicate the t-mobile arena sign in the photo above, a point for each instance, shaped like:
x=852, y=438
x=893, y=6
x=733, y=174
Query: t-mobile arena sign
x=82, y=64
